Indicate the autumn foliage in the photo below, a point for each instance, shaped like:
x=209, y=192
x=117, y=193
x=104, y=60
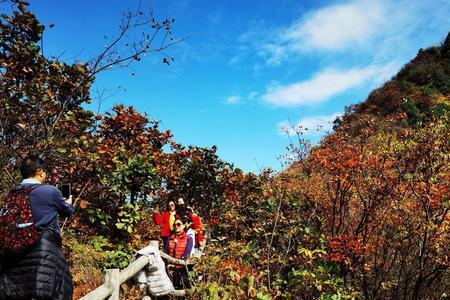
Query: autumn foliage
x=364, y=214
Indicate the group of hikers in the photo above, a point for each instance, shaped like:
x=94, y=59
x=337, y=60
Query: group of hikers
x=182, y=234
x=32, y=265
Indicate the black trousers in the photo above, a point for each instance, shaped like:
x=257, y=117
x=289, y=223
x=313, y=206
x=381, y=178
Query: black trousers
x=180, y=278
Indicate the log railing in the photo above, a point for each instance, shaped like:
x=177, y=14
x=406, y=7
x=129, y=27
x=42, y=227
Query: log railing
x=114, y=277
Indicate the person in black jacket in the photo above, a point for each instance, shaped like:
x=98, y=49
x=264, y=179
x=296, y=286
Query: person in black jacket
x=41, y=271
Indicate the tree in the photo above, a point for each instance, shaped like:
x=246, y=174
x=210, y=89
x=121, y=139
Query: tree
x=200, y=179
x=42, y=110
x=41, y=100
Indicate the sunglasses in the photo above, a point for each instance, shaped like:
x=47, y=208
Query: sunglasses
x=171, y=204
x=178, y=224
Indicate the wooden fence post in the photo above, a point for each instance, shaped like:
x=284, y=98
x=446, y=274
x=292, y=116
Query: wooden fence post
x=112, y=279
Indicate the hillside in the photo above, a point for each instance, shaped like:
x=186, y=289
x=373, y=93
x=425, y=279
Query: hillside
x=420, y=89
x=379, y=187
x=363, y=215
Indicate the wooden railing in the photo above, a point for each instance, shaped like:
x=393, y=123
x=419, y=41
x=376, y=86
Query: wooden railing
x=114, y=277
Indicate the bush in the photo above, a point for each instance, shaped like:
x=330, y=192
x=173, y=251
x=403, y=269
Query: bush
x=413, y=113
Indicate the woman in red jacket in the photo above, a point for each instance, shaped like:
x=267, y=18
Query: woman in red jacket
x=183, y=209
x=166, y=220
x=197, y=226
x=179, y=246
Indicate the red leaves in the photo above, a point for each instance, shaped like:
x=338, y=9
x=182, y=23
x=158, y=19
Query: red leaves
x=347, y=248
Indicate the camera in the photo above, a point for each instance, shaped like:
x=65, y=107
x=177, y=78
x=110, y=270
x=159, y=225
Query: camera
x=66, y=190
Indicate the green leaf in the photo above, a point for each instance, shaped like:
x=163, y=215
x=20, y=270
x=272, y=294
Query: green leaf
x=61, y=150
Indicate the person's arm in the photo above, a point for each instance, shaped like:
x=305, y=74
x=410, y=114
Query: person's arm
x=200, y=236
x=188, y=250
x=166, y=246
x=65, y=209
x=197, y=226
x=157, y=217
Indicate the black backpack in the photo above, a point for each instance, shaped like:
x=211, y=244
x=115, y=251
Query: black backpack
x=17, y=230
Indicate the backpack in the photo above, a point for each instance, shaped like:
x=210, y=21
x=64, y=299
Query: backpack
x=17, y=230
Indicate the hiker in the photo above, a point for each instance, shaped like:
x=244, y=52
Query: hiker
x=197, y=226
x=183, y=209
x=40, y=271
x=179, y=246
x=166, y=220
x=187, y=221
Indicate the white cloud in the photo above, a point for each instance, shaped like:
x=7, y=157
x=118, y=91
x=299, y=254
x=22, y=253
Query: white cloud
x=336, y=27
x=232, y=100
x=321, y=87
x=373, y=31
x=309, y=125
x=275, y=54
x=244, y=99
x=332, y=28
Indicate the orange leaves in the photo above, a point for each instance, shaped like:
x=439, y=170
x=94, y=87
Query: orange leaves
x=347, y=248
x=339, y=161
x=142, y=138
x=102, y=149
x=83, y=203
x=438, y=194
x=48, y=93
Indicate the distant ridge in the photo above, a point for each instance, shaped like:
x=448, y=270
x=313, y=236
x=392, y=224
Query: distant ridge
x=420, y=89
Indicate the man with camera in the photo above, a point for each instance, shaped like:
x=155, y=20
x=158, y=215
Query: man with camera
x=39, y=271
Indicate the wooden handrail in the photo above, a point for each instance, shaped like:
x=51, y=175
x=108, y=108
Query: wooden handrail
x=107, y=288
x=176, y=261
x=133, y=268
x=114, y=278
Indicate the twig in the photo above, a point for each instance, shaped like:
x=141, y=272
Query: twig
x=74, y=203
x=10, y=176
x=269, y=247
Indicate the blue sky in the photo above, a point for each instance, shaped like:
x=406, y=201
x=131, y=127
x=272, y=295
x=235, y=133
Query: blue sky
x=248, y=68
